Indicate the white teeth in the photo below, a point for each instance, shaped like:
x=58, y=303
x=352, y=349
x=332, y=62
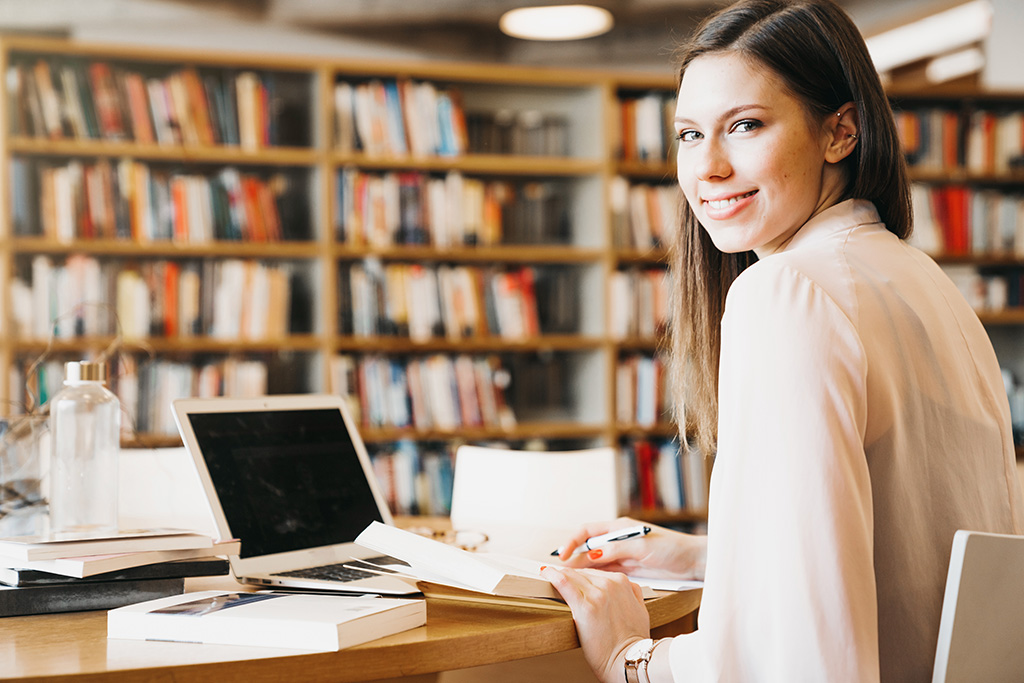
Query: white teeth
x=722, y=203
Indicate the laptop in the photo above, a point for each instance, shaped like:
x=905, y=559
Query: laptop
x=290, y=478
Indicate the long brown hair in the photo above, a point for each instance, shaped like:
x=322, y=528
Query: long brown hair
x=815, y=49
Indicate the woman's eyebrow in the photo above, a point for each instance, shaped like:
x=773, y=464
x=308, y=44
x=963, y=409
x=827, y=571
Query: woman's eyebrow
x=726, y=114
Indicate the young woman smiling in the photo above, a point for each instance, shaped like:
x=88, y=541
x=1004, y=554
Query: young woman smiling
x=850, y=395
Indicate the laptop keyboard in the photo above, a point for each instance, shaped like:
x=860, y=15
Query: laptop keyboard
x=335, y=572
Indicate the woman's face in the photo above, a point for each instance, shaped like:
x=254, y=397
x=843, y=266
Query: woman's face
x=751, y=163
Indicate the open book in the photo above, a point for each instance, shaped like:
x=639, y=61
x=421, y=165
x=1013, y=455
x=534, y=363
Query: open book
x=433, y=562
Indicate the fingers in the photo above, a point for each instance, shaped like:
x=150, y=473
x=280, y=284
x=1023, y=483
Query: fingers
x=608, y=611
x=565, y=583
x=599, y=557
x=589, y=585
x=566, y=550
x=581, y=535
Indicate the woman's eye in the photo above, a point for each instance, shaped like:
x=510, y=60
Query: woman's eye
x=746, y=126
x=688, y=135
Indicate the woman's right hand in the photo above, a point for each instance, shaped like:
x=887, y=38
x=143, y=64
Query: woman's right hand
x=661, y=554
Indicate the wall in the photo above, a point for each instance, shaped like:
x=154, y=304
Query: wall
x=1003, y=70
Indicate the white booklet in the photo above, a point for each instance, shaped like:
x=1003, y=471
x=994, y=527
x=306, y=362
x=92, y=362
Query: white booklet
x=77, y=545
x=90, y=565
x=439, y=563
x=674, y=585
x=316, y=622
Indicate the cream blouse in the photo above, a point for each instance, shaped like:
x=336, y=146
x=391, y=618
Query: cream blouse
x=862, y=420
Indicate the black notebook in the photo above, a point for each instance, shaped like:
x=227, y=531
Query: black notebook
x=81, y=596
x=206, y=566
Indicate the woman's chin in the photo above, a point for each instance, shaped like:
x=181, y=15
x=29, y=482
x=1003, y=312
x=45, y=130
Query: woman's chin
x=729, y=246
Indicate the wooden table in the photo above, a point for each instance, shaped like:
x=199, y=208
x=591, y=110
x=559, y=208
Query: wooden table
x=59, y=647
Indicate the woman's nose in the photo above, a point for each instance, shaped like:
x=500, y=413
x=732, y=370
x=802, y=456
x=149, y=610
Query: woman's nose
x=710, y=161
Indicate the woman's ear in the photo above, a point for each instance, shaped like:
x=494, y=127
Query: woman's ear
x=842, y=129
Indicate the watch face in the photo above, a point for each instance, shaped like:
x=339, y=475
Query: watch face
x=639, y=650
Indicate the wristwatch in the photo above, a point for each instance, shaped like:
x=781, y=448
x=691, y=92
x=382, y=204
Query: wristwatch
x=638, y=656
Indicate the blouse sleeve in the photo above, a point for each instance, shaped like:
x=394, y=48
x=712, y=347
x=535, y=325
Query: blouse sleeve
x=790, y=588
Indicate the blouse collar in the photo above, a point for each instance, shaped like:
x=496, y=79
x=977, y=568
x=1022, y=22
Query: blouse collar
x=836, y=220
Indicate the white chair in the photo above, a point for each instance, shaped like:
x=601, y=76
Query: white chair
x=981, y=632
x=525, y=501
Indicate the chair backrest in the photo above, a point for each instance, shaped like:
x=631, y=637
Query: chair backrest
x=981, y=632
x=542, y=494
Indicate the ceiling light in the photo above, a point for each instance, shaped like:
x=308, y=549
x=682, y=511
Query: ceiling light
x=934, y=35
x=556, y=22
x=956, y=65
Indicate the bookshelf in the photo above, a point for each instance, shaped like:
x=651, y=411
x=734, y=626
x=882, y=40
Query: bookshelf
x=185, y=188
x=643, y=206
x=965, y=150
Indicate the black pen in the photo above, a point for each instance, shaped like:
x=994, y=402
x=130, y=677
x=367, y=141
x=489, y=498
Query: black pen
x=617, y=535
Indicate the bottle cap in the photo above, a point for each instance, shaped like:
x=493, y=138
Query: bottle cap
x=85, y=371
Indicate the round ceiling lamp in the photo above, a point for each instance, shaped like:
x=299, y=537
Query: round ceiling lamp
x=556, y=22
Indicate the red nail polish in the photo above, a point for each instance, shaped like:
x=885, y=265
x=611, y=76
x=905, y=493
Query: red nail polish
x=595, y=554
x=543, y=567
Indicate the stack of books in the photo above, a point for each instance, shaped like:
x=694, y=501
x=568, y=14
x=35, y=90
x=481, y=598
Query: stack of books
x=41, y=575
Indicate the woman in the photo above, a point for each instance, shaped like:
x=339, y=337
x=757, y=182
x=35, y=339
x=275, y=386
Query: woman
x=851, y=395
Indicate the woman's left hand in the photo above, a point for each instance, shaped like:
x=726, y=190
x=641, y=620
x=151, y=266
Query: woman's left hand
x=609, y=613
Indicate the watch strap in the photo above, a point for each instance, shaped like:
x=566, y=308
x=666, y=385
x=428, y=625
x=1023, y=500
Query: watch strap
x=636, y=669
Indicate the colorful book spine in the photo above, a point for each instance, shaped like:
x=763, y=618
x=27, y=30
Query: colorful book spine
x=130, y=199
x=84, y=297
x=415, y=479
x=436, y=392
x=424, y=302
x=73, y=98
x=956, y=219
x=658, y=475
x=983, y=140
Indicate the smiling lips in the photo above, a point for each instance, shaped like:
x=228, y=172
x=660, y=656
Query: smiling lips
x=727, y=206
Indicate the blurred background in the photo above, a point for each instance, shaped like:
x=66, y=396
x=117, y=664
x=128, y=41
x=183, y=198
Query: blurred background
x=643, y=36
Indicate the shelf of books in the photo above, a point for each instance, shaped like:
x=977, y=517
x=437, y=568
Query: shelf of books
x=966, y=156
x=643, y=211
x=433, y=241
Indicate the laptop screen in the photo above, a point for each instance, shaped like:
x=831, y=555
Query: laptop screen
x=286, y=479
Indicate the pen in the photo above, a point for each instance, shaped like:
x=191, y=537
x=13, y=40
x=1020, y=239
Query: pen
x=617, y=535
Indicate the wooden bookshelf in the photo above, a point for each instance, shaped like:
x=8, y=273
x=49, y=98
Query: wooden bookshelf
x=521, y=432
x=650, y=170
x=577, y=108
x=479, y=344
x=276, y=156
x=1007, y=317
x=965, y=154
x=165, y=345
x=482, y=164
x=643, y=210
x=489, y=254
x=168, y=249
x=659, y=516
x=598, y=159
x=636, y=256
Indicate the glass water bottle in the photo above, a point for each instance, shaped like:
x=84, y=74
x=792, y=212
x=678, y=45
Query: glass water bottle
x=85, y=430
